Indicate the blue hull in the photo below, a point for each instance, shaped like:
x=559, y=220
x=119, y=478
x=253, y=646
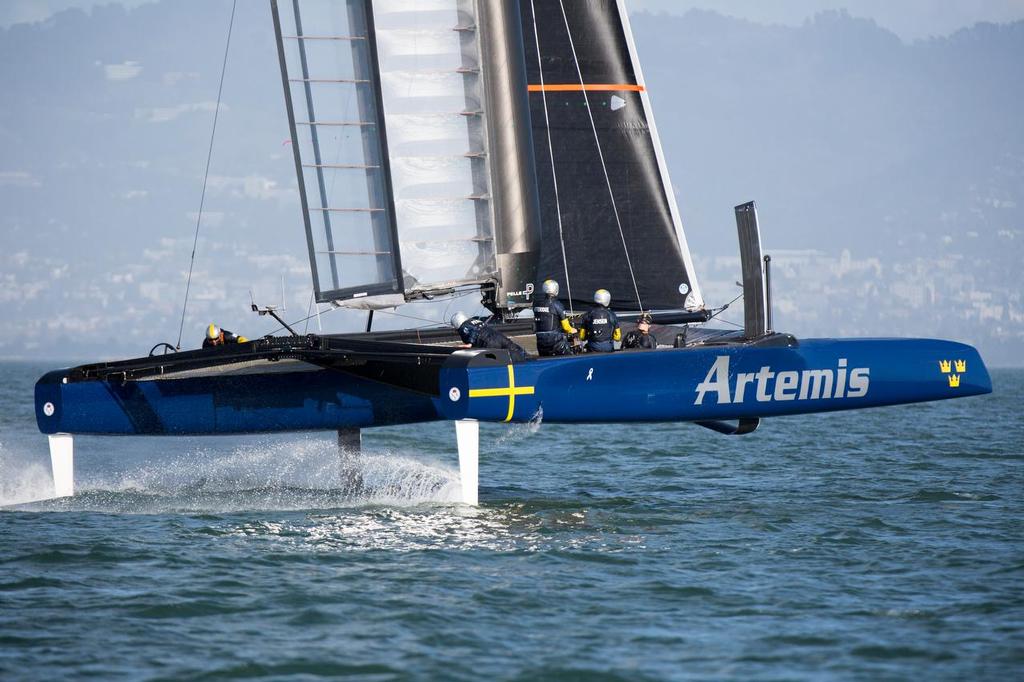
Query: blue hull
x=688, y=384
x=722, y=383
x=321, y=399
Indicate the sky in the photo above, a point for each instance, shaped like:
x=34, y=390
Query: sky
x=909, y=19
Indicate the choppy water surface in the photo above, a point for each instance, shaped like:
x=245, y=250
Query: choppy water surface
x=883, y=544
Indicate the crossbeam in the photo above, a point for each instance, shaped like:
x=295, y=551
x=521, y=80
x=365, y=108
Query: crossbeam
x=349, y=166
x=327, y=209
x=328, y=80
x=355, y=253
x=325, y=37
x=335, y=123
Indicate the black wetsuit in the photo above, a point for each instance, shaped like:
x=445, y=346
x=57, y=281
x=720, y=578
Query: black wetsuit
x=637, y=339
x=479, y=335
x=229, y=337
x=600, y=325
x=547, y=323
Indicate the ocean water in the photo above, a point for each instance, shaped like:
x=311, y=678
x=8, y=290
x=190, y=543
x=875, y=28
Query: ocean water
x=876, y=545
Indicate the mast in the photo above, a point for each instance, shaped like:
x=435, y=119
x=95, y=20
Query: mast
x=515, y=198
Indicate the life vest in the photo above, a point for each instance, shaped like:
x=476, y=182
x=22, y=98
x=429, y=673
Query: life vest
x=548, y=315
x=600, y=325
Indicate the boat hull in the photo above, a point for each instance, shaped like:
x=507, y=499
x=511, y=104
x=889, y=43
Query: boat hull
x=687, y=384
x=254, y=402
x=704, y=383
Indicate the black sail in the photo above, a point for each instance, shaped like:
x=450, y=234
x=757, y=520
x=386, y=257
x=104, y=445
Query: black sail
x=599, y=248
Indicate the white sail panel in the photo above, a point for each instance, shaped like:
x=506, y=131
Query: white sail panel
x=429, y=63
x=441, y=261
x=418, y=214
x=406, y=90
x=437, y=48
x=412, y=135
x=398, y=7
x=426, y=177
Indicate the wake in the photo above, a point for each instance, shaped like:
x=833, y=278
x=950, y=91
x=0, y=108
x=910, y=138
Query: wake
x=288, y=475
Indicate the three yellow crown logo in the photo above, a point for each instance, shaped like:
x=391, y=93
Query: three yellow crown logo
x=961, y=366
x=946, y=366
x=954, y=381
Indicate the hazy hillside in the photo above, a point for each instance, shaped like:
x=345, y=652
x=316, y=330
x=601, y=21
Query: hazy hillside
x=889, y=175
x=840, y=130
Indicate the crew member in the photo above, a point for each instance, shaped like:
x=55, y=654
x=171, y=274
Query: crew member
x=215, y=336
x=476, y=334
x=641, y=336
x=551, y=322
x=600, y=325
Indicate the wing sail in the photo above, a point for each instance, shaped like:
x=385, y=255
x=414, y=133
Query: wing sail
x=388, y=102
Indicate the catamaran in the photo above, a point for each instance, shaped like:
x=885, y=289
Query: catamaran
x=453, y=146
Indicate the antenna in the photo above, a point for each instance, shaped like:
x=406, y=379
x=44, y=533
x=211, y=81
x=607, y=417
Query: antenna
x=272, y=309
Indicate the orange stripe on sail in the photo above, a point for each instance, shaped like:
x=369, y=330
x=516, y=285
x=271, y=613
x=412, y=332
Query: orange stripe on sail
x=589, y=87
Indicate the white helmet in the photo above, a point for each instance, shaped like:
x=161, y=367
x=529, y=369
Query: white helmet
x=212, y=332
x=459, y=319
x=602, y=297
x=550, y=287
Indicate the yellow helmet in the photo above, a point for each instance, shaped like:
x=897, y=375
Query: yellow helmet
x=212, y=332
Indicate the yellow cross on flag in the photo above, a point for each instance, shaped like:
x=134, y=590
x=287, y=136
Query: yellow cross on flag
x=511, y=391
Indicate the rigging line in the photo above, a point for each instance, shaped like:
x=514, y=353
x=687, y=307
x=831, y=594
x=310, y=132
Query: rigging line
x=600, y=153
x=718, y=311
x=452, y=300
x=411, y=317
x=301, y=320
x=309, y=308
x=381, y=311
x=206, y=175
x=551, y=153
